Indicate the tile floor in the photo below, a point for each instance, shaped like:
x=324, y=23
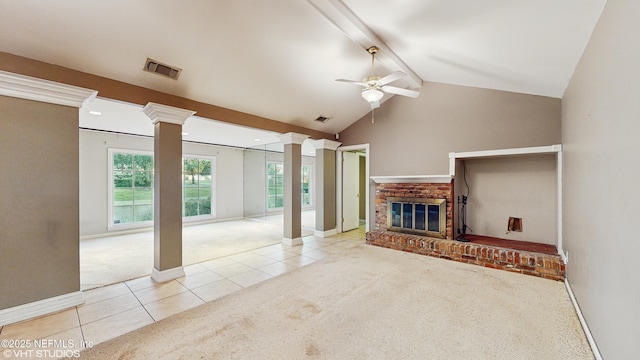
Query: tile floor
x=114, y=310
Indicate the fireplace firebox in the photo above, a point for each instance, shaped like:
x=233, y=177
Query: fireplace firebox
x=420, y=216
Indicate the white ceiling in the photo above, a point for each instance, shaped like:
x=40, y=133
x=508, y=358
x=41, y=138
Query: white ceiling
x=278, y=59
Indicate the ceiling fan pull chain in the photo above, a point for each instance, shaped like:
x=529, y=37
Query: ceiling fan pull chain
x=372, y=118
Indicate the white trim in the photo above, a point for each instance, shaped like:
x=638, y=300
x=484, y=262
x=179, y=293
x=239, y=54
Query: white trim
x=30, y=88
x=565, y=257
x=168, y=114
x=367, y=152
x=583, y=322
x=325, y=234
x=292, y=138
x=433, y=179
x=42, y=307
x=166, y=275
x=292, y=242
x=536, y=150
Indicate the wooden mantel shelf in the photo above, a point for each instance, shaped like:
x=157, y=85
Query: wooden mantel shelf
x=432, y=179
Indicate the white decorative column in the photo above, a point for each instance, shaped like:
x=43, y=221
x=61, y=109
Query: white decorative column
x=292, y=192
x=325, y=187
x=167, y=197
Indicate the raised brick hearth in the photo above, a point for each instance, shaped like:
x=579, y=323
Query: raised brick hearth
x=529, y=263
x=549, y=266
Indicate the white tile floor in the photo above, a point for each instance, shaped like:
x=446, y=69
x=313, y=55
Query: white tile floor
x=116, y=309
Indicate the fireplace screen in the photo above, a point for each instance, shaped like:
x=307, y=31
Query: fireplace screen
x=418, y=216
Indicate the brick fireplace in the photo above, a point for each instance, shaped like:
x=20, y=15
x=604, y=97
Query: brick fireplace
x=415, y=200
x=431, y=194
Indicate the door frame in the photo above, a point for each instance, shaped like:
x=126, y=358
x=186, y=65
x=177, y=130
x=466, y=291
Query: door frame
x=340, y=179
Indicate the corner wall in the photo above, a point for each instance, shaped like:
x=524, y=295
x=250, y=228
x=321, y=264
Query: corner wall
x=601, y=203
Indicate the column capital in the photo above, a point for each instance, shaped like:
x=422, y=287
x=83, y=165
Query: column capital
x=326, y=144
x=292, y=138
x=164, y=113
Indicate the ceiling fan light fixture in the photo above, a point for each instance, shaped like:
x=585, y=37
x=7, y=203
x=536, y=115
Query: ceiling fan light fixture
x=372, y=95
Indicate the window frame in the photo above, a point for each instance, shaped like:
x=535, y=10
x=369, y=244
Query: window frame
x=212, y=215
x=311, y=186
x=149, y=223
x=273, y=209
x=110, y=195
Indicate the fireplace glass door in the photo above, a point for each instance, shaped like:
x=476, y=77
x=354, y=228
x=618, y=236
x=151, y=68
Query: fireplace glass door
x=419, y=216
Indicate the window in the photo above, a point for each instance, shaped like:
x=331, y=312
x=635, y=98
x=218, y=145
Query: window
x=131, y=189
x=196, y=186
x=306, y=185
x=275, y=185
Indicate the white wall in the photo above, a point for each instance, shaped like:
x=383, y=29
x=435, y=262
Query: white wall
x=94, y=178
x=601, y=203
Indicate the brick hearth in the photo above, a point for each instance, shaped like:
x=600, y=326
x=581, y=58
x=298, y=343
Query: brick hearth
x=529, y=263
x=547, y=266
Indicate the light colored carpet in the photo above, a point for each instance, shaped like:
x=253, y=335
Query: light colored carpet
x=371, y=303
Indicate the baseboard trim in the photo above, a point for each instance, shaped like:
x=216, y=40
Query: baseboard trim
x=324, y=234
x=583, y=322
x=292, y=242
x=42, y=307
x=166, y=275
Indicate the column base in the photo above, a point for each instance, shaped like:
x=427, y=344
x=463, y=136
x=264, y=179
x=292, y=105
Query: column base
x=326, y=233
x=292, y=242
x=166, y=275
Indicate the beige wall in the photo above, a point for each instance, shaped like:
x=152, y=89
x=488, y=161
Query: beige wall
x=518, y=186
x=39, y=237
x=600, y=127
x=415, y=136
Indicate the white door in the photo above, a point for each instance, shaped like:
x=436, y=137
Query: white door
x=350, y=189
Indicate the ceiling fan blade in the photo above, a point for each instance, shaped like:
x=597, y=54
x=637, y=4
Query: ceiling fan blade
x=400, y=91
x=374, y=104
x=351, y=82
x=391, y=78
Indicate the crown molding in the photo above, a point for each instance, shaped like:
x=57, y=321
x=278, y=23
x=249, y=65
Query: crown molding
x=30, y=88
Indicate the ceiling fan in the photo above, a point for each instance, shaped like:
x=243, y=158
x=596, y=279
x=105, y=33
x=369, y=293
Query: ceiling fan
x=374, y=86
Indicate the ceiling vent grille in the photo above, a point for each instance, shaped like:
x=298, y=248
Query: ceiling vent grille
x=162, y=69
x=322, y=119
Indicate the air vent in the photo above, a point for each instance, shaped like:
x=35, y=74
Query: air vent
x=322, y=119
x=162, y=69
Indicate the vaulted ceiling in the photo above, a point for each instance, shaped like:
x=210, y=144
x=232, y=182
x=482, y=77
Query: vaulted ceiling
x=278, y=59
